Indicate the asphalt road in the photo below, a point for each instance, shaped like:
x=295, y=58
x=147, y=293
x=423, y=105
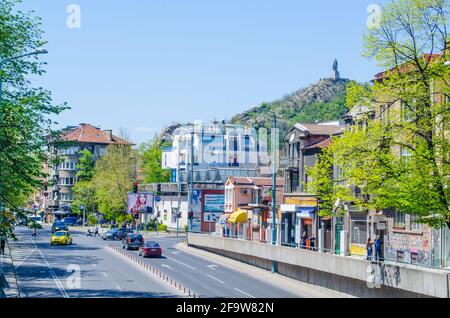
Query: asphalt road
x=210, y=279
x=88, y=268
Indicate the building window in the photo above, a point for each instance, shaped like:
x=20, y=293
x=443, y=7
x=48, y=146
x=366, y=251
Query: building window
x=399, y=219
x=418, y=227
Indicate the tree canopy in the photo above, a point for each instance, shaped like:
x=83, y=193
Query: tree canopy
x=25, y=111
x=400, y=159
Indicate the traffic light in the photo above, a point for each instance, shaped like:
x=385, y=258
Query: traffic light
x=190, y=215
x=135, y=187
x=158, y=189
x=159, y=214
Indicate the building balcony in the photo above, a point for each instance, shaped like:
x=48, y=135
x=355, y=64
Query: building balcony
x=290, y=164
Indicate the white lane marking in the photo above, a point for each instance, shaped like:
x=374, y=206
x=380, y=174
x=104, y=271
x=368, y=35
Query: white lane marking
x=176, y=252
x=216, y=279
x=213, y=266
x=118, y=287
x=243, y=292
x=29, y=254
x=166, y=266
x=106, y=275
x=188, y=266
x=55, y=278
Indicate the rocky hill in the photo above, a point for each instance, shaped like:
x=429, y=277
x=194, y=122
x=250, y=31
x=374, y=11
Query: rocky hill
x=322, y=101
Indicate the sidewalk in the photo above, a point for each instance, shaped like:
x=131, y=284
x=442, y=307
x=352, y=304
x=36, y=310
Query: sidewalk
x=8, y=280
x=275, y=279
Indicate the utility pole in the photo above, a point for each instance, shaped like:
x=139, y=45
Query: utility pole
x=191, y=182
x=274, y=187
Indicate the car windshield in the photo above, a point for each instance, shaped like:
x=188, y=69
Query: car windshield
x=134, y=236
x=60, y=233
x=151, y=244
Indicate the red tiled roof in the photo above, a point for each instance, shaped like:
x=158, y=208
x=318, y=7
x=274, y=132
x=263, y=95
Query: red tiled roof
x=89, y=134
x=258, y=181
x=407, y=67
x=322, y=144
x=315, y=129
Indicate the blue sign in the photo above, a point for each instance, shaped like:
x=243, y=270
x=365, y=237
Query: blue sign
x=157, y=199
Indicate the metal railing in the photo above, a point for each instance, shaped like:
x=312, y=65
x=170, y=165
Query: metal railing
x=317, y=249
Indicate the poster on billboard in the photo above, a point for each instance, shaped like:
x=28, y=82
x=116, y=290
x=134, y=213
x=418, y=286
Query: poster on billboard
x=214, y=203
x=196, y=206
x=213, y=207
x=138, y=203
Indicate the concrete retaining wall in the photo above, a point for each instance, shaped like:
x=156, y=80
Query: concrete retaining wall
x=345, y=274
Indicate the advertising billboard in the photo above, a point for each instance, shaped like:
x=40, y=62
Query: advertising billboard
x=214, y=203
x=140, y=203
x=213, y=207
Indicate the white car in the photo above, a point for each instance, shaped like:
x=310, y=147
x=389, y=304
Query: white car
x=36, y=219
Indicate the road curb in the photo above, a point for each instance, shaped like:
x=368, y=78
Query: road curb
x=155, y=271
x=9, y=287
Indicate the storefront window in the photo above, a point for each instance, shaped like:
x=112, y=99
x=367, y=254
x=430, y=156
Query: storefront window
x=359, y=232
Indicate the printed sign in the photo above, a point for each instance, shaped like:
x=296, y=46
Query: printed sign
x=214, y=203
x=140, y=203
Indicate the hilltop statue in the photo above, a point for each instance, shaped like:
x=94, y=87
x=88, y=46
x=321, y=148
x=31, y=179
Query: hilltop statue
x=336, y=74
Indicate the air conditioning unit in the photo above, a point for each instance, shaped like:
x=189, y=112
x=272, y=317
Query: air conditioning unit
x=244, y=191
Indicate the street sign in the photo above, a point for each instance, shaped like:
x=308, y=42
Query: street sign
x=158, y=199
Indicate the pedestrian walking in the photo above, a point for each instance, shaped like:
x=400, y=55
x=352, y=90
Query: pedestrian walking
x=378, y=244
x=96, y=231
x=312, y=242
x=303, y=239
x=2, y=245
x=369, y=248
x=34, y=234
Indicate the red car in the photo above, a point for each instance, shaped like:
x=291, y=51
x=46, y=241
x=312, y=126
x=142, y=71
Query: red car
x=150, y=249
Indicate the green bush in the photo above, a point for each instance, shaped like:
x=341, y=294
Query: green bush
x=92, y=220
x=186, y=228
x=162, y=227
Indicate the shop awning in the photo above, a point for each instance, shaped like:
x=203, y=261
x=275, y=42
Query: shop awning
x=240, y=216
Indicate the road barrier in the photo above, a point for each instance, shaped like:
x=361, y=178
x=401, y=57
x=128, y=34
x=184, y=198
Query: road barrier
x=157, y=272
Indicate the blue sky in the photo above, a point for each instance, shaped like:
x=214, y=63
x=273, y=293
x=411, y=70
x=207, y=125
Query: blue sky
x=143, y=64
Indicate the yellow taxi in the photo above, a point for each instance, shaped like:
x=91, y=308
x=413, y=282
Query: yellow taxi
x=61, y=238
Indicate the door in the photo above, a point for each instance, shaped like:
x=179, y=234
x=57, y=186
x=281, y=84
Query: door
x=337, y=236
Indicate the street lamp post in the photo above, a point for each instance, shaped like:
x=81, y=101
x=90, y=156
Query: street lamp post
x=2, y=62
x=274, y=187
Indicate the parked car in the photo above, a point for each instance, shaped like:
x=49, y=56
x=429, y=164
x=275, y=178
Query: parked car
x=133, y=241
x=116, y=234
x=71, y=221
x=150, y=249
x=61, y=238
x=59, y=226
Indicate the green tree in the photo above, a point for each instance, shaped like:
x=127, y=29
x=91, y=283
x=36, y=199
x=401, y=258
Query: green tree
x=85, y=166
x=24, y=110
x=113, y=177
x=151, y=158
x=402, y=158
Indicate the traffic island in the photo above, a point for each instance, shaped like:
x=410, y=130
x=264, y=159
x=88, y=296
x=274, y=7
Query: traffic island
x=138, y=261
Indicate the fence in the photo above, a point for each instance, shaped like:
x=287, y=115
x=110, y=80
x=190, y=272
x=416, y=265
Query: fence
x=318, y=249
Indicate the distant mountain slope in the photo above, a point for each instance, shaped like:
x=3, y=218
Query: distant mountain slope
x=322, y=101
x=319, y=102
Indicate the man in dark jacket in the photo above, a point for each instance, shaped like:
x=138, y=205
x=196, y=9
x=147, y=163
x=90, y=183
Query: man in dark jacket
x=2, y=245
